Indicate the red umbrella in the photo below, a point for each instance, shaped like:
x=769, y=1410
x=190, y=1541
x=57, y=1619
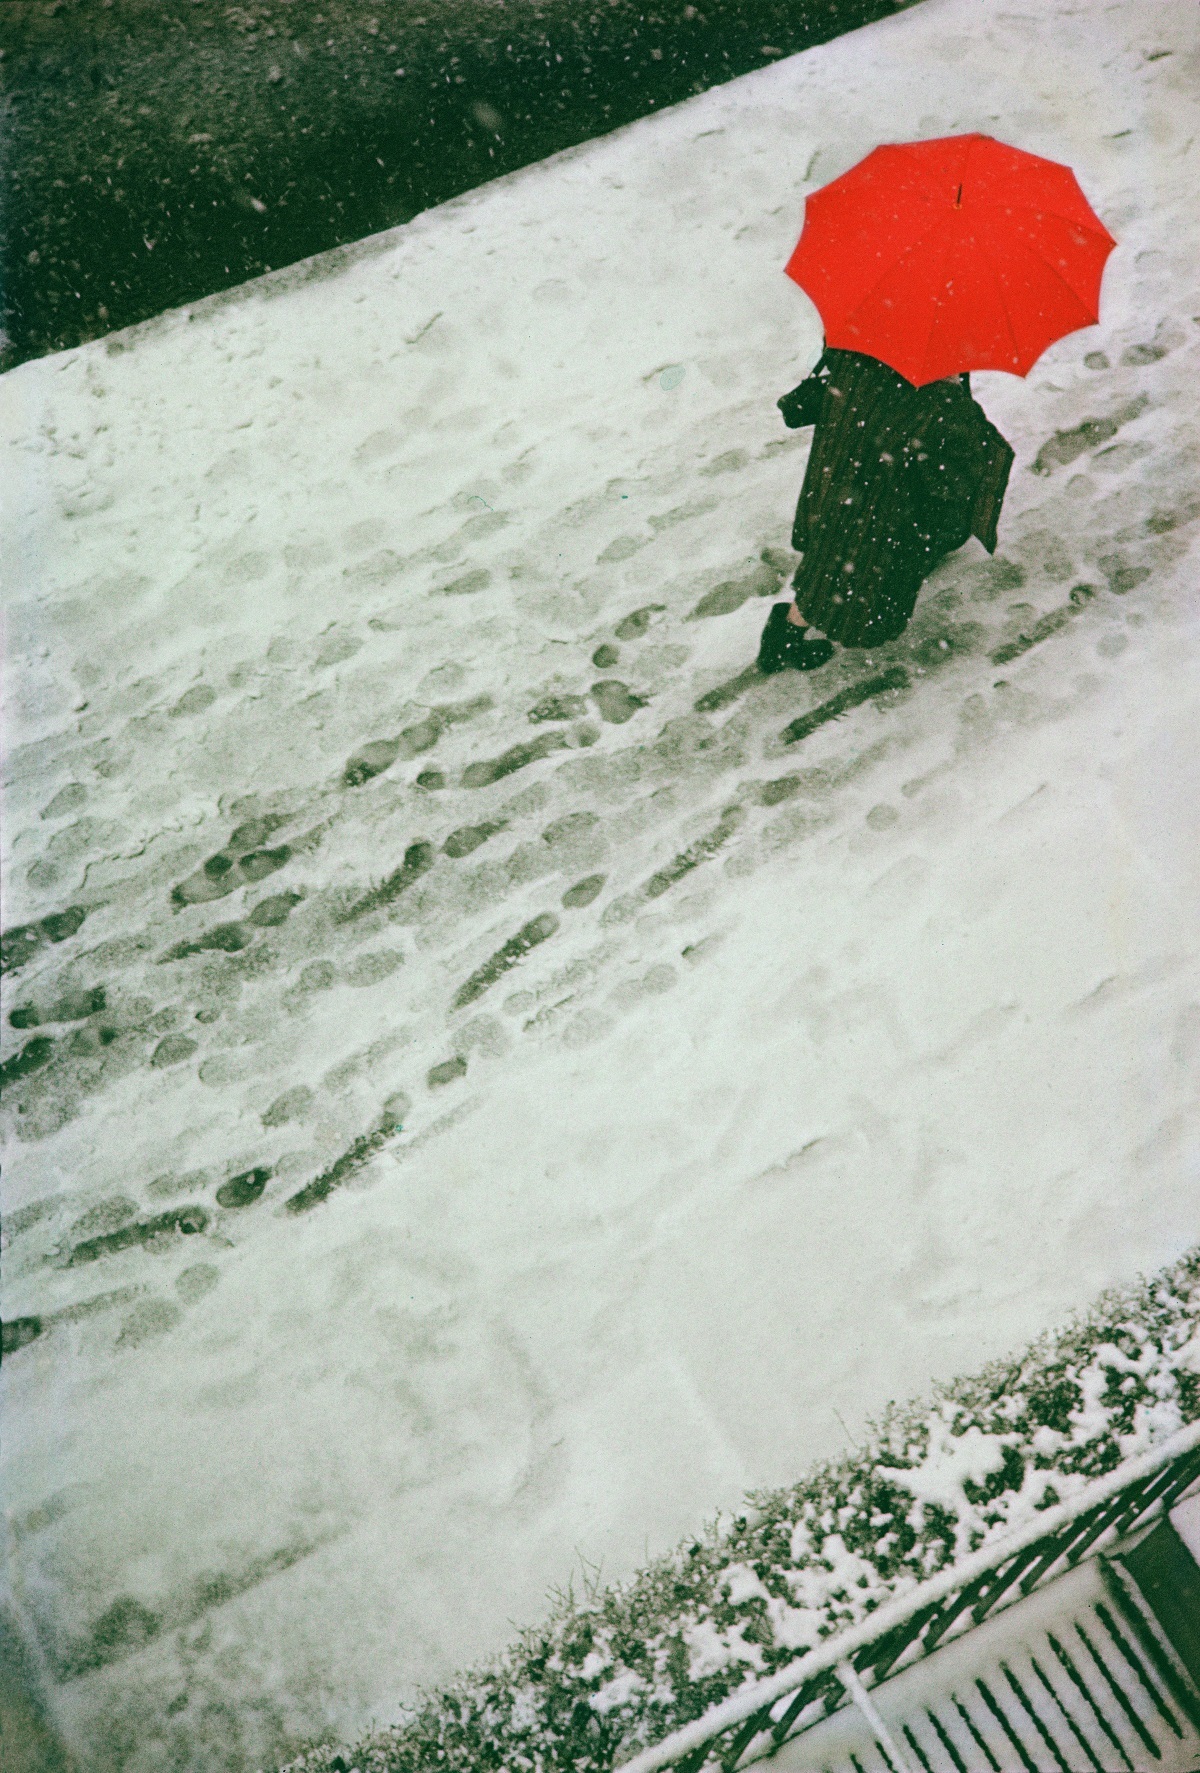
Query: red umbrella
x=950, y=255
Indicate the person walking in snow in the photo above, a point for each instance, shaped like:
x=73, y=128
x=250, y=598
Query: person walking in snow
x=925, y=260
x=897, y=479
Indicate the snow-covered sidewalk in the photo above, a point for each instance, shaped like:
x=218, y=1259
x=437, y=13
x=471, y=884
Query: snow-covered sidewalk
x=475, y=1098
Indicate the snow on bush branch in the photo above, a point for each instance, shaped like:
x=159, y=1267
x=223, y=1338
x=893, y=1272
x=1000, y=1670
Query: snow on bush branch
x=618, y=1668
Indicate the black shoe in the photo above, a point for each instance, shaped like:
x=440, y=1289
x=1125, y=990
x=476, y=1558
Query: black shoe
x=786, y=646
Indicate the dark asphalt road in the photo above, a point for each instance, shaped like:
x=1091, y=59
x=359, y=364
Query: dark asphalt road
x=155, y=151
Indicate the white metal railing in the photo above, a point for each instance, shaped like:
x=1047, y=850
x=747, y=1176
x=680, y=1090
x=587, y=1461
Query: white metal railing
x=836, y=1656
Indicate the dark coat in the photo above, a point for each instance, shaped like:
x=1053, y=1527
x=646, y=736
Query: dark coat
x=898, y=477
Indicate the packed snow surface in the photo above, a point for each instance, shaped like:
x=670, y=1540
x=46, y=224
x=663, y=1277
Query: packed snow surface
x=475, y=1100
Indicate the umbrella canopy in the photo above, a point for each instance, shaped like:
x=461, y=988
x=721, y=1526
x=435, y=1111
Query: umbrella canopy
x=955, y=254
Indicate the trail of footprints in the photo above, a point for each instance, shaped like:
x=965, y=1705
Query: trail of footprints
x=669, y=798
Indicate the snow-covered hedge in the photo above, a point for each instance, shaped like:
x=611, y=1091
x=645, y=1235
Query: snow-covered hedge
x=618, y=1668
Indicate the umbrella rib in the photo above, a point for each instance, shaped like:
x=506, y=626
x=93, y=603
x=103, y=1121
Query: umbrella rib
x=1058, y=276
x=999, y=288
x=933, y=317
x=1069, y=220
x=915, y=246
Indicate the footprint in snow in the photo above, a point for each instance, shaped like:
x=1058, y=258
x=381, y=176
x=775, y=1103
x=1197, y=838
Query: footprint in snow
x=615, y=701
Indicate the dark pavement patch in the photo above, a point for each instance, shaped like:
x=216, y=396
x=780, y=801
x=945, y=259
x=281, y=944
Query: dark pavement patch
x=159, y=151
